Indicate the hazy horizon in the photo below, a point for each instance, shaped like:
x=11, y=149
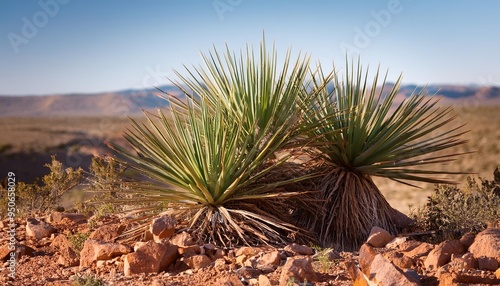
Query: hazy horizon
x=71, y=46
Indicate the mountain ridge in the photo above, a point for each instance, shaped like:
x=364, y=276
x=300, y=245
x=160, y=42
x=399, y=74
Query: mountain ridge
x=131, y=102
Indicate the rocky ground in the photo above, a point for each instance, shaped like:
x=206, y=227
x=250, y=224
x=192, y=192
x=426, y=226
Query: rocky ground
x=60, y=248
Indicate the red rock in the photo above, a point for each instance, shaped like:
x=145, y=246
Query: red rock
x=20, y=250
x=240, y=260
x=94, y=250
x=454, y=279
x=441, y=254
x=60, y=242
x=299, y=269
x=297, y=249
x=400, y=260
x=382, y=272
x=272, y=258
x=366, y=256
x=264, y=281
x=357, y=276
x=418, y=249
x=150, y=258
x=333, y=255
x=108, y=232
x=216, y=254
x=379, y=270
x=182, y=239
x=409, y=245
x=69, y=257
x=4, y=252
x=190, y=250
x=467, y=239
x=198, y=261
x=248, y=272
x=487, y=243
x=39, y=228
x=162, y=227
x=467, y=261
x=248, y=251
x=487, y=263
x=396, y=243
x=57, y=217
x=231, y=280
x=379, y=237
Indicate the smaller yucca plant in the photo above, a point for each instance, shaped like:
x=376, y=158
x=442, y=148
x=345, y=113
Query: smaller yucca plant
x=375, y=137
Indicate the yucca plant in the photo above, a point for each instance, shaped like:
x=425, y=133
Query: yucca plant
x=376, y=137
x=210, y=160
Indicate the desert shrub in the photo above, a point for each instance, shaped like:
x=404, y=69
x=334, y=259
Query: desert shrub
x=87, y=280
x=451, y=211
x=41, y=196
x=103, y=182
x=77, y=240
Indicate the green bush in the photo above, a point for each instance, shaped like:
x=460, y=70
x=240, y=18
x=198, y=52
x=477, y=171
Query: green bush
x=87, y=280
x=77, y=240
x=41, y=196
x=451, y=212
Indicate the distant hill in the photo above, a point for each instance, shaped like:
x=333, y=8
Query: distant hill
x=130, y=102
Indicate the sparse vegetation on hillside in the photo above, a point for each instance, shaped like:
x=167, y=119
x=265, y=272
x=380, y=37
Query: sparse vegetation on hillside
x=40, y=197
x=451, y=212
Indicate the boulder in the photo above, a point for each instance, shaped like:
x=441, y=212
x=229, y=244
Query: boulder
x=467, y=239
x=298, y=269
x=152, y=257
x=20, y=250
x=298, y=249
x=400, y=260
x=416, y=249
x=441, y=254
x=68, y=256
x=272, y=258
x=38, y=228
x=57, y=217
x=379, y=237
x=397, y=243
x=466, y=261
x=231, y=280
x=162, y=227
x=378, y=270
x=182, y=239
x=487, y=263
x=248, y=251
x=60, y=242
x=198, y=261
x=108, y=232
x=94, y=250
x=487, y=243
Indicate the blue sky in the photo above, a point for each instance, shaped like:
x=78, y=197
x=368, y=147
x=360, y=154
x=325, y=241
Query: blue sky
x=63, y=46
